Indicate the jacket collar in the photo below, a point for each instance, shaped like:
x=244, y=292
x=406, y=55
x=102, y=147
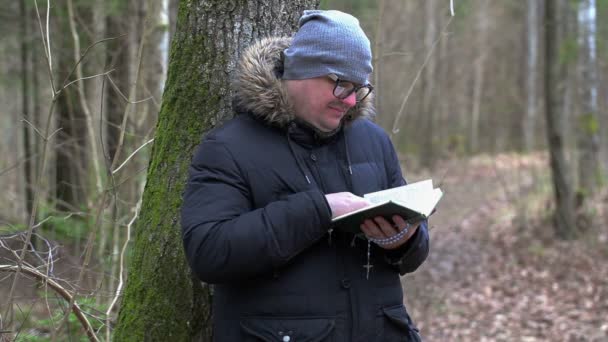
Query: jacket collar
x=259, y=90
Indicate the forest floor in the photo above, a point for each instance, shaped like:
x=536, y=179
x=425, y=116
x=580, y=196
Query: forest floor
x=495, y=275
x=495, y=271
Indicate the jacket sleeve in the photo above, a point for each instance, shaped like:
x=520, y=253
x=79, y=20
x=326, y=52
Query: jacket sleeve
x=225, y=238
x=414, y=252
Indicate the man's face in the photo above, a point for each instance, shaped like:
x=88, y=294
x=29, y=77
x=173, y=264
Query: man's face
x=314, y=102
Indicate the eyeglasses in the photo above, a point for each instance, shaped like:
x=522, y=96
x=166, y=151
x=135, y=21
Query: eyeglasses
x=343, y=89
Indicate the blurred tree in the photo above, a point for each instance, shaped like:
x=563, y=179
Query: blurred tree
x=162, y=300
x=74, y=148
x=70, y=154
x=588, y=121
x=532, y=42
x=555, y=73
x=478, y=75
x=430, y=84
x=117, y=58
x=26, y=88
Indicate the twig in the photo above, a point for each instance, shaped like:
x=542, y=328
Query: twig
x=132, y=94
x=132, y=154
x=87, y=78
x=82, y=95
x=85, y=53
x=395, y=128
x=54, y=132
x=123, y=95
x=46, y=43
x=60, y=290
x=122, y=267
x=397, y=53
x=33, y=127
x=37, y=194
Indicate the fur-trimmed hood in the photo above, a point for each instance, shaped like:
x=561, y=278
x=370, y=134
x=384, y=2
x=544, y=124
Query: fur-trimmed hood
x=259, y=89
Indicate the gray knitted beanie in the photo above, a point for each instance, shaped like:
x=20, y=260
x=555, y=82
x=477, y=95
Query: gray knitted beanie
x=328, y=42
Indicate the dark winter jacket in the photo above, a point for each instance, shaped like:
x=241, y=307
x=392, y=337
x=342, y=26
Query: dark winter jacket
x=255, y=221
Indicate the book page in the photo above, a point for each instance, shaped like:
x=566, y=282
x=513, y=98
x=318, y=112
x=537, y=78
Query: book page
x=424, y=202
x=419, y=196
x=402, y=193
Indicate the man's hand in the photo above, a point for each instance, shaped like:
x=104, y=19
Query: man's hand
x=345, y=202
x=379, y=228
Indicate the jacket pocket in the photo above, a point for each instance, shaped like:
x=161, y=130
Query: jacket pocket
x=397, y=325
x=288, y=329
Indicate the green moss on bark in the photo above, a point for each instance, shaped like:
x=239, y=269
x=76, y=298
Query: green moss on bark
x=162, y=300
x=158, y=302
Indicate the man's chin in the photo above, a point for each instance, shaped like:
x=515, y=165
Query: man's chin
x=329, y=127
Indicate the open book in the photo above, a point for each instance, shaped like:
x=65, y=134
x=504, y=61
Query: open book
x=414, y=202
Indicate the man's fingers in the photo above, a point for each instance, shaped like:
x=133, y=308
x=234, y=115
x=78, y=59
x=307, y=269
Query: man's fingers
x=371, y=229
x=386, y=227
x=399, y=222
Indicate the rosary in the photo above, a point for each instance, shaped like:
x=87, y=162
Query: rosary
x=382, y=242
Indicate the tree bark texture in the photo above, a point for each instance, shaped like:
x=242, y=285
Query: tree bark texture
x=529, y=123
x=429, y=85
x=71, y=155
x=162, y=300
x=564, y=216
x=478, y=77
x=26, y=89
x=588, y=140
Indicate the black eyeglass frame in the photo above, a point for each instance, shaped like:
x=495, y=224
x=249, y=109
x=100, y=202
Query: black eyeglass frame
x=355, y=89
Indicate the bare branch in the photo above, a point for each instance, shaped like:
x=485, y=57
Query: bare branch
x=85, y=53
x=122, y=266
x=61, y=291
x=48, y=34
x=47, y=47
x=86, y=78
x=395, y=128
x=122, y=95
x=397, y=53
x=82, y=95
x=132, y=154
x=33, y=213
x=33, y=127
x=52, y=134
x=132, y=94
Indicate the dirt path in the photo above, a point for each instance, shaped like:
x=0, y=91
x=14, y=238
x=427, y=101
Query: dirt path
x=489, y=278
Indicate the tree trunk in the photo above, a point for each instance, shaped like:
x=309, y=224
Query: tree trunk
x=428, y=103
x=588, y=121
x=564, y=217
x=73, y=147
x=173, y=4
x=163, y=300
x=478, y=78
x=529, y=123
x=26, y=90
x=117, y=58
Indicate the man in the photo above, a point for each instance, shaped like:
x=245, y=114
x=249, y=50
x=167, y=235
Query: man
x=264, y=187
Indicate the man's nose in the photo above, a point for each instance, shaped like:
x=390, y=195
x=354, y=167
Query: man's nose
x=350, y=100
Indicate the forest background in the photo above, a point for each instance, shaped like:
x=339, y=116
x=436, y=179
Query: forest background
x=505, y=109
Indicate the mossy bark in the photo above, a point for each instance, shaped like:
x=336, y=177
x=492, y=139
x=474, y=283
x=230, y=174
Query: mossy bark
x=162, y=300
